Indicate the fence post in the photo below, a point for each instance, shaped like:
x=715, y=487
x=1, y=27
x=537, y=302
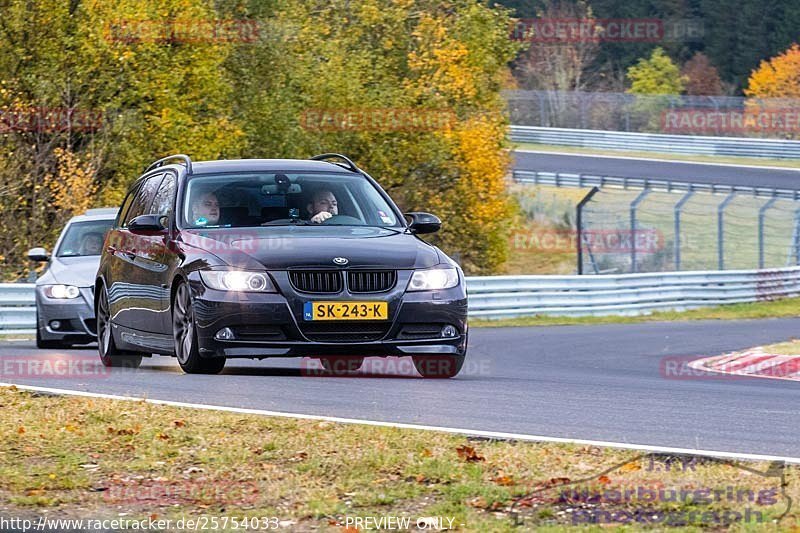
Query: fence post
x=677, y=243
x=721, y=230
x=795, y=248
x=762, y=211
x=579, y=225
x=634, y=205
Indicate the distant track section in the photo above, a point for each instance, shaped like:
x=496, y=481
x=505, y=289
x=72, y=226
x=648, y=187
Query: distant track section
x=659, y=169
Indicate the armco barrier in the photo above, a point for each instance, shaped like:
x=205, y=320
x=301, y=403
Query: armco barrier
x=656, y=142
x=564, y=179
x=494, y=297
x=17, y=310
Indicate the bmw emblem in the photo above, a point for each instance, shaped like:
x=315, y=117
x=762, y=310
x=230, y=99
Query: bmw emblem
x=341, y=261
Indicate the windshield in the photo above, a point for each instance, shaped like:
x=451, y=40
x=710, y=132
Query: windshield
x=277, y=199
x=84, y=238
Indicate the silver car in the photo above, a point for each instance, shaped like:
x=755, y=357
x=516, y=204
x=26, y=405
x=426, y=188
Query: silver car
x=64, y=292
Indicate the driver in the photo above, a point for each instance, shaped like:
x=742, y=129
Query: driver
x=92, y=243
x=205, y=210
x=322, y=206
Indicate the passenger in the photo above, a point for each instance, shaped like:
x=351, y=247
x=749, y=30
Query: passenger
x=205, y=210
x=92, y=244
x=322, y=206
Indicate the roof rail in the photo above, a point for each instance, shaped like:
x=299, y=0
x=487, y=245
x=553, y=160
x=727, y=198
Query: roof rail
x=348, y=164
x=161, y=162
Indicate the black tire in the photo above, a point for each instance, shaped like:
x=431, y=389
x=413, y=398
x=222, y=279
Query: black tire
x=110, y=355
x=341, y=365
x=439, y=366
x=184, y=334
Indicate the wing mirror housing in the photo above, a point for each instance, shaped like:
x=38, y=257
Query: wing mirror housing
x=148, y=224
x=423, y=223
x=38, y=254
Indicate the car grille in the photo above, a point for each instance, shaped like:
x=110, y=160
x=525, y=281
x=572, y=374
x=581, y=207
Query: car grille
x=319, y=281
x=345, y=332
x=371, y=280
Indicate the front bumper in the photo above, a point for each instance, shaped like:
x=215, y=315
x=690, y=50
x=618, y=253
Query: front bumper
x=76, y=317
x=266, y=326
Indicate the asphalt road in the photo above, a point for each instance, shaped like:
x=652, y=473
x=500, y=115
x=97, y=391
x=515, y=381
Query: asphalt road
x=584, y=382
x=643, y=168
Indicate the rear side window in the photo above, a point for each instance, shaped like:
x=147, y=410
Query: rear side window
x=123, y=211
x=142, y=198
x=162, y=204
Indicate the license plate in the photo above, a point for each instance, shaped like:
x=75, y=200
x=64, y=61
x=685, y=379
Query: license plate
x=346, y=311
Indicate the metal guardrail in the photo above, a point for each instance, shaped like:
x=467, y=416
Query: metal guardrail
x=656, y=142
x=495, y=297
x=565, y=179
x=17, y=308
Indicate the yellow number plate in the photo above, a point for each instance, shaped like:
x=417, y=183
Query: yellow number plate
x=346, y=311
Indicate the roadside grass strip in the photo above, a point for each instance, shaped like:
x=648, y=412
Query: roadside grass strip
x=92, y=458
x=782, y=308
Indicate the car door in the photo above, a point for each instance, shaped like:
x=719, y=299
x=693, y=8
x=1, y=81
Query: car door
x=137, y=303
x=114, y=264
x=161, y=255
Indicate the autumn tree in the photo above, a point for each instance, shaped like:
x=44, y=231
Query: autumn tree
x=773, y=91
x=423, y=58
x=701, y=77
x=778, y=77
x=560, y=64
x=145, y=96
x=157, y=93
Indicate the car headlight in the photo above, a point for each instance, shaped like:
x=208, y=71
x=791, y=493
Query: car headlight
x=433, y=279
x=61, y=292
x=237, y=280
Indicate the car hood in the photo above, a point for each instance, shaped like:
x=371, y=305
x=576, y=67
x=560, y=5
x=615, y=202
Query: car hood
x=78, y=271
x=279, y=248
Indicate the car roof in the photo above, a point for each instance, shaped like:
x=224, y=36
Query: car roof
x=101, y=213
x=250, y=165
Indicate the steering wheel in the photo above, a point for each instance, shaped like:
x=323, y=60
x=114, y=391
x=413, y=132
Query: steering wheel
x=283, y=222
x=343, y=219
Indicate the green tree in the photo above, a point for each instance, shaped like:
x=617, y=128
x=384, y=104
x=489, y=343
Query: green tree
x=424, y=57
x=654, y=80
x=154, y=96
x=657, y=74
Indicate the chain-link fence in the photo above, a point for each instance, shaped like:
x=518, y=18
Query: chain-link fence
x=625, y=231
x=675, y=114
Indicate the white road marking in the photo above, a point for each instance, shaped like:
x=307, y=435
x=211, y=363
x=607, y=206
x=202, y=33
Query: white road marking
x=400, y=425
x=657, y=160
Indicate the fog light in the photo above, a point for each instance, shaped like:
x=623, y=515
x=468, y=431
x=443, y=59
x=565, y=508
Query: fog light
x=449, y=331
x=225, y=334
x=55, y=324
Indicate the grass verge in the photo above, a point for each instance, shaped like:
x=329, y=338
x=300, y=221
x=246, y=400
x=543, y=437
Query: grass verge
x=743, y=161
x=91, y=458
x=791, y=347
x=785, y=308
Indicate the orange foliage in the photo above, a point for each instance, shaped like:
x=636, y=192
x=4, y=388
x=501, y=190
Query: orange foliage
x=778, y=77
x=73, y=185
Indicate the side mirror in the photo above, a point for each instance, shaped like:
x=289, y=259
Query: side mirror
x=423, y=223
x=38, y=254
x=148, y=223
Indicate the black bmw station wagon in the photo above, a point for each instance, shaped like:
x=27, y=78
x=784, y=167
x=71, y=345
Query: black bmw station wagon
x=275, y=258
